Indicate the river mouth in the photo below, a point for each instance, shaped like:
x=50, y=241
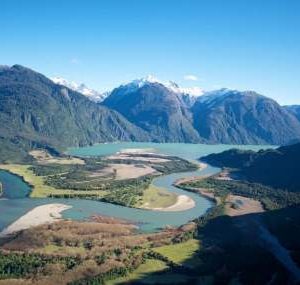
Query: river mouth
x=147, y=220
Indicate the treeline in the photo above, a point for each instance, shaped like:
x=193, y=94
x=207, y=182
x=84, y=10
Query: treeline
x=270, y=198
x=277, y=168
x=95, y=164
x=19, y=265
x=127, y=192
x=121, y=192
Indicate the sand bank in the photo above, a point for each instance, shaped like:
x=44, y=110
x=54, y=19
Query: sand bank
x=183, y=203
x=39, y=215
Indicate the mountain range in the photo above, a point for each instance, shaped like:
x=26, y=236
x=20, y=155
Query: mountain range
x=92, y=94
x=36, y=111
x=221, y=116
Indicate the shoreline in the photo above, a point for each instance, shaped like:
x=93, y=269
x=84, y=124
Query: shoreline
x=235, y=205
x=30, y=185
x=183, y=203
x=39, y=215
x=51, y=212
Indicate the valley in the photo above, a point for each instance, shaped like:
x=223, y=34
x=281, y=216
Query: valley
x=149, y=142
x=115, y=192
x=160, y=251
x=123, y=179
x=37, y=113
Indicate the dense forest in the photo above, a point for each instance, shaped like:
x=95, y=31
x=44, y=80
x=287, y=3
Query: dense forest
x=278, y=168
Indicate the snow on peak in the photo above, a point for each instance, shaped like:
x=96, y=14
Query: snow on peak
x=171, y=85
x=211, y=96
x=81, y=88
x=192, y=91
x=138, y=83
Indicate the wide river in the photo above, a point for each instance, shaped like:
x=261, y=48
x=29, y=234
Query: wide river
x=14, y=203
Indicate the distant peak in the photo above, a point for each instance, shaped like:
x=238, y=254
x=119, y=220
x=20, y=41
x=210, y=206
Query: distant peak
x=171, y=85
x=81, y=88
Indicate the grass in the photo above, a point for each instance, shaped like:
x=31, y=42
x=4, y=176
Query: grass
x=39, y=188
x=149, y=267
x=68, y=250
x=181, y=253
x=155, y=197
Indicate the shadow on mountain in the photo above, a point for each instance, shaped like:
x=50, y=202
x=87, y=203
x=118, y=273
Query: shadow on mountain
x=251, y=249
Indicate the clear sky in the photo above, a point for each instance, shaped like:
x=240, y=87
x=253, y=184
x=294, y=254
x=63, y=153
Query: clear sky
x=241, y=44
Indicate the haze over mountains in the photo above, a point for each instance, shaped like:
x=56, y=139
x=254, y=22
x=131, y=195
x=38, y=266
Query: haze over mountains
x=36, y=111
x=295, y=110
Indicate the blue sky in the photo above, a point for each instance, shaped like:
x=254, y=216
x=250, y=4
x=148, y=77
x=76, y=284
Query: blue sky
x=241, y=44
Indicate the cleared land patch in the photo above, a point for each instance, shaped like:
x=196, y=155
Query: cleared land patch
x=129, y=171
x=43, y=157
x=239, y=205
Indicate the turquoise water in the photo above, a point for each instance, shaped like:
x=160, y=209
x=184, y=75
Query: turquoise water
x=187, y=151
x=17, y=187
x=14, y=207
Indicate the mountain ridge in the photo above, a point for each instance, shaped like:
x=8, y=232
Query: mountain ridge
x=220, y=116
x=36, y=112
x=39, y=112
x=278, y=168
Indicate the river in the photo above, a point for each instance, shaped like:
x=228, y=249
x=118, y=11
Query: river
x=15, y=204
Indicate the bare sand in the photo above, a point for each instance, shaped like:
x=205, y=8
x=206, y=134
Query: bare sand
x=43, y=157
x=129, y=171
x=224, y=175
x=183, y=203
x=243, y=206
x=138, y=150
x=138, y=154
x=38, y=216
x=202, y=165
x=137, y=158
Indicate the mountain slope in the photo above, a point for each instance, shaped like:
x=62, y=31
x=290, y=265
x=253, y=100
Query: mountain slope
x=229, y=116
x=294, y=109
x=34, y=110
x=163, y=113
x=278, y=168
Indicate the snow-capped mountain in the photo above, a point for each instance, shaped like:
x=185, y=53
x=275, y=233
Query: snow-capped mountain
x=219, y=94
x=192, y=91
x=150, y=79
x=81, y=88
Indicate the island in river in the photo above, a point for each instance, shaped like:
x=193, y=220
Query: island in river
x=59, y=177
x=86, y=246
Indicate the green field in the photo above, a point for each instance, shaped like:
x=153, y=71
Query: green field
x=150, y=266
x=152, y=197
x=181, y=253
x=39, y=188
x=155, y=197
